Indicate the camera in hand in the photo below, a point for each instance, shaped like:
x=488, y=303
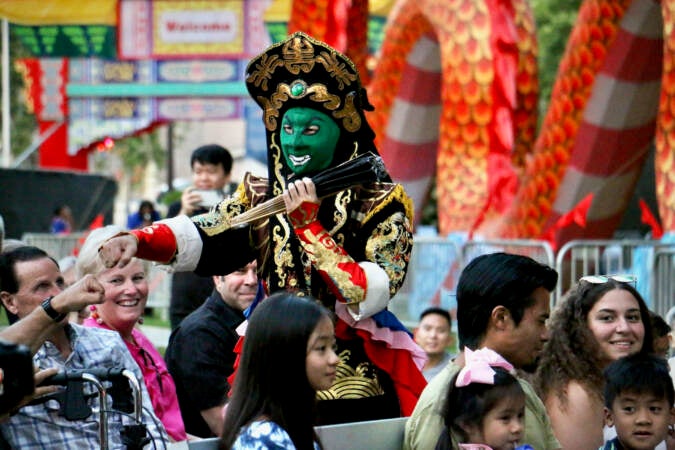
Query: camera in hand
x=16, y=375
x=210, y=198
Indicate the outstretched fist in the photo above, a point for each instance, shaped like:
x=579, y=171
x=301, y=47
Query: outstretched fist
x=118, y=251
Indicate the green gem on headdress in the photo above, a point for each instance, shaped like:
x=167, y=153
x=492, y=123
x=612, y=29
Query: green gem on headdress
x=298, y=89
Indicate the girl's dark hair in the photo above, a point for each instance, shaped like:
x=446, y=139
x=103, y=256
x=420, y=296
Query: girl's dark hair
x=271, y=380
x=572, y=353
x=468, y=405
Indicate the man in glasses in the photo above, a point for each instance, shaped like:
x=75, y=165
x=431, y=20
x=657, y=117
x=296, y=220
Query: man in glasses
x=200, y=354
x=503, y=303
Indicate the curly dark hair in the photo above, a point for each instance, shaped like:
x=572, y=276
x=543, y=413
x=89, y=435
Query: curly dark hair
x=573, y=353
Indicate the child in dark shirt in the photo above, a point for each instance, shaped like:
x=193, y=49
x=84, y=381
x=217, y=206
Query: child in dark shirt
x=639, y=399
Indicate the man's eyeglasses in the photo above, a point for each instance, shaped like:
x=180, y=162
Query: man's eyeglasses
x=600, y=279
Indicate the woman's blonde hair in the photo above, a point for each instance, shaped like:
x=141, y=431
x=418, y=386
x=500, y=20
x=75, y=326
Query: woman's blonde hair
x=88, y=261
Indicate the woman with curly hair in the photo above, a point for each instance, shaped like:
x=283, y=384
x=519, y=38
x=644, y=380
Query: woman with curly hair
x=601, y=320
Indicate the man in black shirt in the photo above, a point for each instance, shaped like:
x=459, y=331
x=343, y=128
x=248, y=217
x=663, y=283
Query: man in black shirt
x=200, y=354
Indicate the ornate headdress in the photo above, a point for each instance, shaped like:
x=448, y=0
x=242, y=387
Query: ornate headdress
x=301, y=71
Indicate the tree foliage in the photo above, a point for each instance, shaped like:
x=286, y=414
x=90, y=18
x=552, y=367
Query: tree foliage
x=554, y=20
x=23, y=125
x=138, y=151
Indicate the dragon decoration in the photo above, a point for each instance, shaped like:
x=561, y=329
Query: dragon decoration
x=455, y=90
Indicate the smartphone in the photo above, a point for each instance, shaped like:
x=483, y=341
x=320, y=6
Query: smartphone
x=210, y=198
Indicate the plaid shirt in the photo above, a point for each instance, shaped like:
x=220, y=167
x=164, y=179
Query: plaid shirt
x=41, y=427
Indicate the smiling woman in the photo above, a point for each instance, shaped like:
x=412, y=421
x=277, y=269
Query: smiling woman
x=126, y=293
x=598, y=323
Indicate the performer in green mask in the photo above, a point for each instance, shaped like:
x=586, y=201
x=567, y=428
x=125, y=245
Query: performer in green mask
x=308, y=139
x=350, y=250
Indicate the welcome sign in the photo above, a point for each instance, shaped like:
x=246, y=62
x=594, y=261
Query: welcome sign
x=173, y=29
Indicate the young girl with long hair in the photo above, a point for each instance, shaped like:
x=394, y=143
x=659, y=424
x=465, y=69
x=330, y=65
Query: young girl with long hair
x=485, y=406
x=288, y=355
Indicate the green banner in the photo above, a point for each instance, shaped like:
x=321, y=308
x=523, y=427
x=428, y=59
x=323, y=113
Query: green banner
x=68, y=40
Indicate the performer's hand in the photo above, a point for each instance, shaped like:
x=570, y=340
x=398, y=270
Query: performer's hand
x=118, y=250
x=298, y=192
x=86, y=291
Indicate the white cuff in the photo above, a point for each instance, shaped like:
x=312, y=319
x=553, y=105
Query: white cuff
x=188, y=243
x=377, y=292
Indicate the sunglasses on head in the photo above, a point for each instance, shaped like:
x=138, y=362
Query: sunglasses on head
x=600, y=279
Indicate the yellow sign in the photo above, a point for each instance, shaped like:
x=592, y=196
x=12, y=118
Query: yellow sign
x=186, y=28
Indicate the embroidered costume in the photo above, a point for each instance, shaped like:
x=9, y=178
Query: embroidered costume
x=351, y=251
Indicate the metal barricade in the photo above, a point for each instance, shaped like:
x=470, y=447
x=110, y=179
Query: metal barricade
x=663, y=281
x=57, y=246
x=582, y=257
x=538, y=250
x=159, y=286
x=432, y=276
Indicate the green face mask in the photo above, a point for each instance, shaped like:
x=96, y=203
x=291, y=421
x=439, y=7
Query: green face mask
x=308, y=140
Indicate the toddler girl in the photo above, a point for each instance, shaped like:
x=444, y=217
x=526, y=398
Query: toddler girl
x=485, y=407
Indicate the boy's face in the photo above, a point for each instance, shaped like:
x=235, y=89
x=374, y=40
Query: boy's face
x=208, y=176
x=641, y=419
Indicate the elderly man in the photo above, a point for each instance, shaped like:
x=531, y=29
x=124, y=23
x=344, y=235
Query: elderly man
x=30, y=280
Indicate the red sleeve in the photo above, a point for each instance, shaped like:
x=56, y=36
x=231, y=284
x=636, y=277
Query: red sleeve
x=344, y=277
x=155, y=243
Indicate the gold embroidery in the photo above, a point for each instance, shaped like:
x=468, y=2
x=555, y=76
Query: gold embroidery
x=264, y=68
x=327, y=256
x=340, y=214
x=302, y=217
x=396, y=194
x=350, y=382
x=283, y=258
x=277, y=165
x=317, y=93
x=298, y=55
x=349, y=115
x=336, y=69
x=389, y=246
x=218, y=218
